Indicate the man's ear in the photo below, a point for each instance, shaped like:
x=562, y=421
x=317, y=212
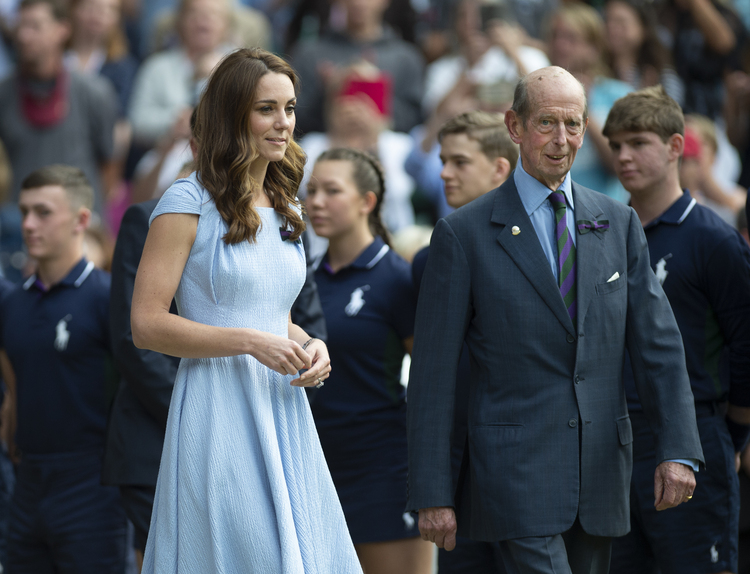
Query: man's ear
x=502, y=170
x=515, y=126
x=83, y=218
x=676, y=144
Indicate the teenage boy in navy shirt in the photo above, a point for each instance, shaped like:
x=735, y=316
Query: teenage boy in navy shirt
x=478, y=156
x=55, y=335
x=703, y=266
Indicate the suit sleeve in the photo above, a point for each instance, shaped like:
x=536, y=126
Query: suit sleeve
x=658, y=357
x=149, y=374
x=443, y=314
x=307, y=311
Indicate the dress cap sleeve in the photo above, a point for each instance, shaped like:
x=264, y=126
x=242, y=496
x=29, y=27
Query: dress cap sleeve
x=183, y=196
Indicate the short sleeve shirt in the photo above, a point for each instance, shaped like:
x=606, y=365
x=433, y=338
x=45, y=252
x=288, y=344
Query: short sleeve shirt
x=57, y=341
x=369, y=308
x=703, y=266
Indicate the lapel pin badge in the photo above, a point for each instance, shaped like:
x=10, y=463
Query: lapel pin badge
x=515, y=230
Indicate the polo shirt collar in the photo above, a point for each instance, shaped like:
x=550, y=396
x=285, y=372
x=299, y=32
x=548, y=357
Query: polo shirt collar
x=74, y=278
x=534, y=193
x=677, y=212
x=370, y=257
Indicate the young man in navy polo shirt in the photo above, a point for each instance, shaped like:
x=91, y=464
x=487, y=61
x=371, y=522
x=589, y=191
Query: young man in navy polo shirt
x=703, y=266
x=55, y=335
x=478, y=156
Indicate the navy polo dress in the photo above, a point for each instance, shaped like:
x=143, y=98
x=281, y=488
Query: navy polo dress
x=369, y=307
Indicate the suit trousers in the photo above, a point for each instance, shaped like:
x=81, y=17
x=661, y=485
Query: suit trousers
x=572, y=552
x=471, y=557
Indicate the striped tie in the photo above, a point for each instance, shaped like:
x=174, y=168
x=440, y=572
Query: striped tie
x=566, y=254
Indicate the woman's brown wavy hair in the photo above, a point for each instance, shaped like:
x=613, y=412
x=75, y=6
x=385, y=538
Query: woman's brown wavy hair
x=226, y=147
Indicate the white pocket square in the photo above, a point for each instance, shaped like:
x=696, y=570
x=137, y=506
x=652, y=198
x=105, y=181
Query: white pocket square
x=614, y=277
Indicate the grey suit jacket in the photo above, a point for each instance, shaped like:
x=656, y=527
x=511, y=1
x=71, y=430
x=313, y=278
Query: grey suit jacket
x=549, y=432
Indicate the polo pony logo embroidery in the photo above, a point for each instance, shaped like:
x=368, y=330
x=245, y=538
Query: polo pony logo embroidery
x=408, y=520
x=62, y=335
x=661, y=269
x=357, y=301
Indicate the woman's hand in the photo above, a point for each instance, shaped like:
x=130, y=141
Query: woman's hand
x=320, y=368
x=282, y=355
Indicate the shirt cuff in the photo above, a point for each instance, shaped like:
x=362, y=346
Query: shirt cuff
x=691, y=462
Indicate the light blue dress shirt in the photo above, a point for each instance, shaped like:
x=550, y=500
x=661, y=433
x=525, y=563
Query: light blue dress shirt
x=534, y=196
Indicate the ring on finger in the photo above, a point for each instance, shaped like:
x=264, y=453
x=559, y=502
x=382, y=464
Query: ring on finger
x=319, y=384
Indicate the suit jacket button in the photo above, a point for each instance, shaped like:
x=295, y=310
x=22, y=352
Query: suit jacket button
x=577, y=379
x=570, y=338
x=572, y=423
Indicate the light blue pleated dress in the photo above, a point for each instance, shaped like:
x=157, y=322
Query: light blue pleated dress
x=243, y=485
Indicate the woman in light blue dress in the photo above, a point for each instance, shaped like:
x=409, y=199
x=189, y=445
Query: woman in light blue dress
x=243, y=485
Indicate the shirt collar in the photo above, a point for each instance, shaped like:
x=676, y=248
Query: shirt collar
x=534, y=193
x=74, y=278
x=370, y=257
x=677, y=212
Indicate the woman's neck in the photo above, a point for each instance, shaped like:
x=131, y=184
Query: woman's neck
x=258, y=170
x=344, y=249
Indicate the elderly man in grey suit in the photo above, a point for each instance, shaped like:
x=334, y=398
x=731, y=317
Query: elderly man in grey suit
x=549, y=283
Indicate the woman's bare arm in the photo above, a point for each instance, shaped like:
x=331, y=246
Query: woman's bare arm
x=164, y=257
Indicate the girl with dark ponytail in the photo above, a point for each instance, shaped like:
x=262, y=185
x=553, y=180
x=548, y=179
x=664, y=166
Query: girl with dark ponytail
x=369, y=306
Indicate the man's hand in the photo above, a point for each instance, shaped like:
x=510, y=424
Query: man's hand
x=674, y=484
x=438, y=525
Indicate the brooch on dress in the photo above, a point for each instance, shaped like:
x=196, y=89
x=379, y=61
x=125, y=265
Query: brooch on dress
x=286, y=235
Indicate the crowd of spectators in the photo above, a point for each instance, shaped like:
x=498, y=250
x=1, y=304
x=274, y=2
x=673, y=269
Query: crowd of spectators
x=109, y=86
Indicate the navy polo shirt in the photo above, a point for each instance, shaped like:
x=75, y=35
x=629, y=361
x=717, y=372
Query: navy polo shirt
x=369, y=307
x=703, y=265
x=57, y=341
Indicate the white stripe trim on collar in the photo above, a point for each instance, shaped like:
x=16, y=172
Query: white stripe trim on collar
x=687, y=211
x=86, y=272
x=77, y=283
x=383, y=250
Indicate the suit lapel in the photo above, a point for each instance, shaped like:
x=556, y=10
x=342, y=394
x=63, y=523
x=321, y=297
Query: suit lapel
x=525, y=250
x=589, y=249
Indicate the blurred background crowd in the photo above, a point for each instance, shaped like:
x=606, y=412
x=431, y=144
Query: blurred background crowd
x=109, y=86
